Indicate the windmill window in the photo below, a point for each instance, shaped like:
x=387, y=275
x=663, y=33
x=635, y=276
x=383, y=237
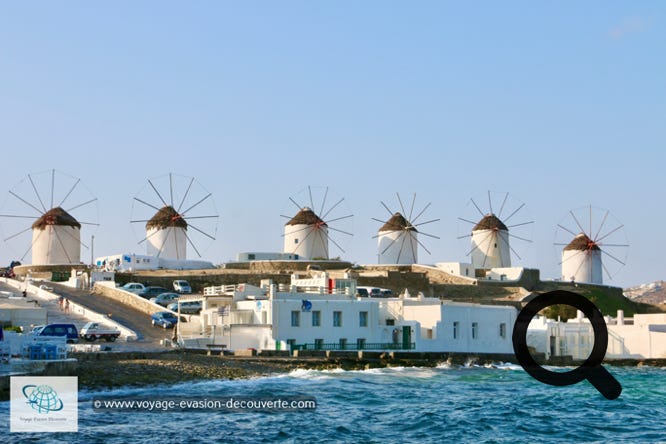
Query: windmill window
x=502, y=331
x=475, y=330
x=495, y=245
x=295, y=241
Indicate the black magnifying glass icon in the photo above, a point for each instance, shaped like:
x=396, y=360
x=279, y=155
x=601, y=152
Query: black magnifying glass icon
x=591, y=369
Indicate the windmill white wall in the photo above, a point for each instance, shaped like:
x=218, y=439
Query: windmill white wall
x=582, y=266
x=403, y=250
x=167, y=242
x=306, y=235
x=56, y=244
x=491, y=249
x=306, y=240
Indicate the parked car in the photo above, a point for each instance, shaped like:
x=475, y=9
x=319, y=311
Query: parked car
x=164, y=319
x=133, y=287
x=362, y=292
x=165, y=299
x=93, y=331
x=188, y=307
x=152, y=291
x=67, y=330
x=182, y=286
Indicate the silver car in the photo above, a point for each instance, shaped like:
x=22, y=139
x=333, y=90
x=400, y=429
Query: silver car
x=165, y=299
x=188, y=307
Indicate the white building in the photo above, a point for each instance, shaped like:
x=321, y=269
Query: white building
x=325, y=314
x=265, y=256
x=581, y=261
x=490, y=243
x=457, y=268
x=135, y=262
x=397, y=241
x=640, y=337
x=166, y=234
x=306, y=235
x=56, y=239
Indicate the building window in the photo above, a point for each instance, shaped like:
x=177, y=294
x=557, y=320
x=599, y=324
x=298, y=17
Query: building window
x=319, y=344
x=295, y=318
x=360, y=343
x=316, y=318
x=363, y=318
x=296, y=241
x=291, y=343
x=475, y=330
x=456, y=329
x=390, y=322
x=343, y=343
x=251, y=257
x=337, y=319
x=502, y=330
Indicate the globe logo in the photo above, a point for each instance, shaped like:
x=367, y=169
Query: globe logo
x=42, y=398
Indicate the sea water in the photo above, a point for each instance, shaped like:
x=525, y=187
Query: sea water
x=499, y=403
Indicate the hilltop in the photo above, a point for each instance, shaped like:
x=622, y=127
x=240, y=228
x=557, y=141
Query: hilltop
x=430, y=281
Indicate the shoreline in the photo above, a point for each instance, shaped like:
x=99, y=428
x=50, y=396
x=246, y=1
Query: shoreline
x=99, y=371
x=109, y=370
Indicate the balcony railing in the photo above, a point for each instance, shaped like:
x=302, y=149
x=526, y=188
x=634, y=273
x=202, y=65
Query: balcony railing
x=355, y=346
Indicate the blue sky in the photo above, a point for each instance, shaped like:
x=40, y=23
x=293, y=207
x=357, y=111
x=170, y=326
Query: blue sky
x=560, y=104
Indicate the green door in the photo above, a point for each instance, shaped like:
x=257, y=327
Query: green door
x=406, y=337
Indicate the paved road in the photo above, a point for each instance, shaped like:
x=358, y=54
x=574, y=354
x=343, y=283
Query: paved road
x=126, y=315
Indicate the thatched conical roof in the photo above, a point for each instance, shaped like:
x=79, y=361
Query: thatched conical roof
x=582, y=242
x=397, y=222
x=306, y=217
x=490, y=222
x=55, y=216
x=166, y=217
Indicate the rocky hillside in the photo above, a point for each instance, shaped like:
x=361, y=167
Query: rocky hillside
x=652, y=293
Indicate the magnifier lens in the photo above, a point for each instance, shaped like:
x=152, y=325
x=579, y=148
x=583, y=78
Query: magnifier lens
x=566, y=344
x=575, y=339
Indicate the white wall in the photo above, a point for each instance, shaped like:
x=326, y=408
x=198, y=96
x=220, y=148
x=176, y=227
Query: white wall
x=582, y=266
x=168, y=243
x=457, y=268
x=401, y=247
x=505, y=274
x=262, y=256
x=307, y=333
x=306, y=240
x=488, y=319
x=491, y=249
x=56, y=244
x=644, y=339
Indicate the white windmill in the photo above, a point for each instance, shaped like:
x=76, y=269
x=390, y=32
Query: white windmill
x=56, y=233
x=397, y=238
x=490, y=236
x=596, y=233
x=185, y=215
x=307, y=234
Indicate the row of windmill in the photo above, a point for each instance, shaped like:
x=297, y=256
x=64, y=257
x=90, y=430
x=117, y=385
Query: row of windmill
x=177, y=212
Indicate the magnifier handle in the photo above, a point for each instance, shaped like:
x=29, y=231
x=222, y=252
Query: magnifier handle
x=603, y=381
